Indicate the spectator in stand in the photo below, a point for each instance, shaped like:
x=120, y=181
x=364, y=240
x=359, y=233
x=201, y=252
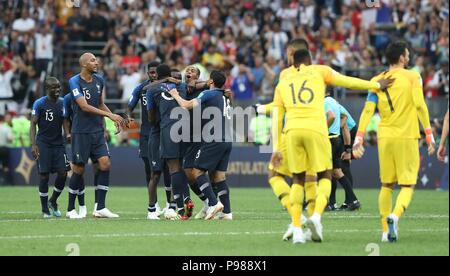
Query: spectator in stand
x=276, y=41
x=440, y=80
x=242, y=85
x=25, y=24
x=44, y=48
x=416, y=38
x=129, y=81
x=6, y=138
x=76, y=26
x=6, y=91
x=97, y=26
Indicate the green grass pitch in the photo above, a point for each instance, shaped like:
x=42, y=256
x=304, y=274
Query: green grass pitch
x=257, y=229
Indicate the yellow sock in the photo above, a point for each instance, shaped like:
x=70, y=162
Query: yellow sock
x=297, y=197
x=403, y=201
x=323, y=194
x=282, y=190
x=385, y=206
x=311, y=194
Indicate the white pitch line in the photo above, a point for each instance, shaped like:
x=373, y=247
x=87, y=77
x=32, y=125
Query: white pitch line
x=149, y=235
x=331, y=217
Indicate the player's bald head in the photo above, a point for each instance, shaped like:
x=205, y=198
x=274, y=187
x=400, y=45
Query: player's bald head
x=51, y=81
x=85, y=58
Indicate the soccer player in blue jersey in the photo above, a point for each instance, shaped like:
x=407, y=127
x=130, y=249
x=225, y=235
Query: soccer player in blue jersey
x=139, y=94
x=333, y=112
x=68, y=116
x=48, y=145
x=195, y=88
x=160, y=107
x=88, y=139
x=214, y=153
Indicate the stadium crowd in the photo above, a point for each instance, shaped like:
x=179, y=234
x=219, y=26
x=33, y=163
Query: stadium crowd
x=245, y=38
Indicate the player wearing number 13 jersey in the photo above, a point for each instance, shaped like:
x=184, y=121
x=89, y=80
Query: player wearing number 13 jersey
x=301, y=98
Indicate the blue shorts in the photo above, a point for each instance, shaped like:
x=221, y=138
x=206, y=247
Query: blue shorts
x=154, y=153
x=52, y=159
x=88, y=145
x=169, y=149
x=190, y=154
x=143, y=147
x=213, y=157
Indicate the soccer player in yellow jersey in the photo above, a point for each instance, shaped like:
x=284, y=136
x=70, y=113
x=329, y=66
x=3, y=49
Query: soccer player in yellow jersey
x=301, y=98
x=401, y=108
x=278, y=168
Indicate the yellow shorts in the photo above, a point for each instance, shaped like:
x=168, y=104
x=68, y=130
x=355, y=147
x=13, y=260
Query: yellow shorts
x=283, y=169
x=308, y=151
x=399, y=160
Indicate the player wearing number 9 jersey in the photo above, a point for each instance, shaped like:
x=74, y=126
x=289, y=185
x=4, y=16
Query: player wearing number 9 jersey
x=401, y=108
x=301, y=98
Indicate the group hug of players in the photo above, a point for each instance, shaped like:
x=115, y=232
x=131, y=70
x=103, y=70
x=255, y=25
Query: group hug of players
x=314, y=140
x=199, y=162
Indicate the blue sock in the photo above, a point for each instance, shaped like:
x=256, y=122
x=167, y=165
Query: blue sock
x=151, y=208
x=60, y=182
x=177, y=187
x=96, y=184
x=103, y=187
x=43, y=193
x=167, y=185
x=223, y=192
x=186, y=191
x=197, y=191
x=206, y=189
x=74, y=186
x=81, y=192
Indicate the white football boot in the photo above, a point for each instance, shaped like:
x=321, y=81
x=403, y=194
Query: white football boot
x=392, y=221
x=95, y=209
x=298, y=236
x=315, y=225
x=72, y=215
x=105, y=213
x=82, y=212
x=213, y=210
x=153, y=215
x=202, y=213
x=171, y=214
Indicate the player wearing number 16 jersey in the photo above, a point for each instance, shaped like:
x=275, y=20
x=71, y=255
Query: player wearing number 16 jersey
x=301, y=98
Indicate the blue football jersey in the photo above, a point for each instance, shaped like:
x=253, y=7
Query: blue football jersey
x=139, y=94
x=84, y=122
x=50, y=118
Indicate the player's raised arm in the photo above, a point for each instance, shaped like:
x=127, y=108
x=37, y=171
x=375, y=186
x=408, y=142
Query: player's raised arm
x=85, y=107
x=422, y=112
x=278, y=112
x=188, y=104
x=364, y=120
x=336, y=79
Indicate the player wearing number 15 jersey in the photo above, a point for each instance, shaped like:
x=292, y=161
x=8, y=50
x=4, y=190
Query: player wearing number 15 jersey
x=401, y=108
x=301, y=98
